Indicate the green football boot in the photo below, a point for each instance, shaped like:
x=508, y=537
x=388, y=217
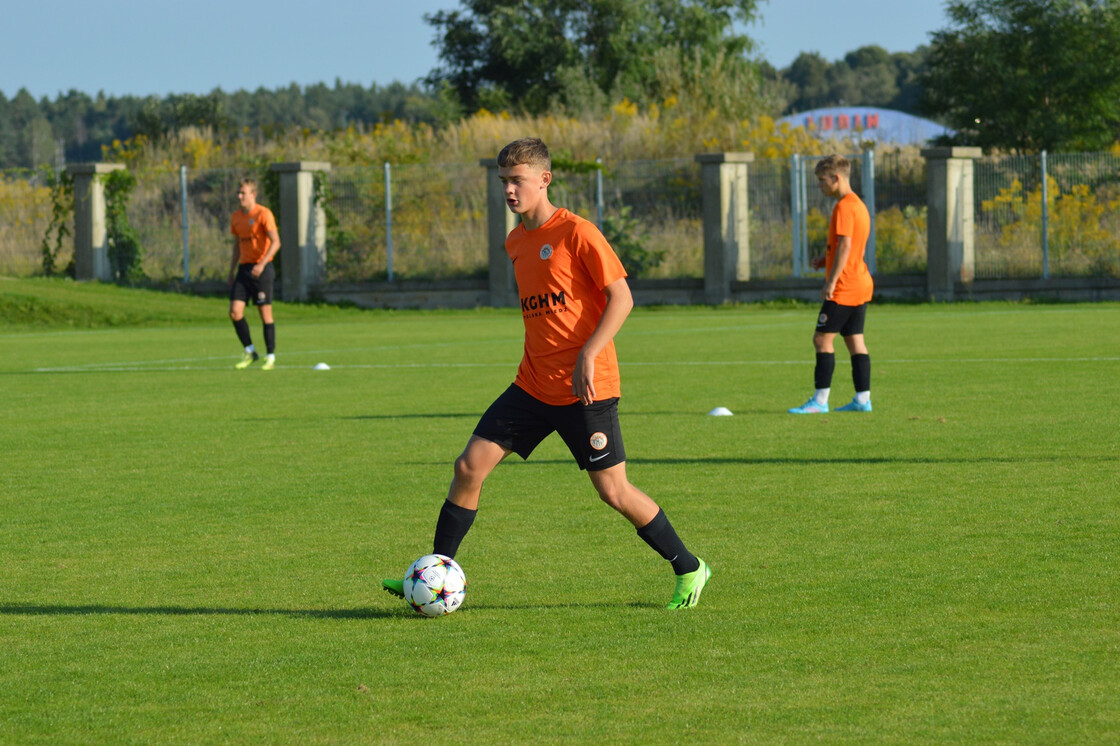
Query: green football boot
x=689, y=586
x=396, y=587
x=246, y=360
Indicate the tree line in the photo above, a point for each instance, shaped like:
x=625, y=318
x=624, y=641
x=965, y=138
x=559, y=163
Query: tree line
x=1018, y=75
x=72, y=127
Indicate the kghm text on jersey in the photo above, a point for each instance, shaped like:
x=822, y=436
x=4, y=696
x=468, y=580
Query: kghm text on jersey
x=543, y=301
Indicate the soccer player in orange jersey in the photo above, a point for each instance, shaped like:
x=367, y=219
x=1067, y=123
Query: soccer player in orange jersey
x=251, y=274
x=574, y=299
x=847, y=290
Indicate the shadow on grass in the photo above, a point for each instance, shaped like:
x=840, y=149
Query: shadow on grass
x=367, y=613
x=106, y=609
x=821, y=460
x=562, y=605
x=413, y=416
x=808, y=460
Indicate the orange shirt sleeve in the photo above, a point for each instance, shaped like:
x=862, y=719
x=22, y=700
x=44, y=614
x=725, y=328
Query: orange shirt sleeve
x=598, y=257
x=268, y=221
x=845, y=219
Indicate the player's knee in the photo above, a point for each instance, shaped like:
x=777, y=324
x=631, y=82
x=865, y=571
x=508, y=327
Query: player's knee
x=234, y=315
x=467, y=472
x=612, y=493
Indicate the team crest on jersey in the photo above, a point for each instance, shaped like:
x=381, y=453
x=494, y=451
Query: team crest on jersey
x=546, y=252
x=251, y=221
x=599, y=441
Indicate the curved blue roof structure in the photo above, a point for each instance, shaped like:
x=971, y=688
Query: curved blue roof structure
x=868, y=123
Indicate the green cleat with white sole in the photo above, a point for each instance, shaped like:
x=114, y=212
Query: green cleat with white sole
x=689, y=586
x=246, y=360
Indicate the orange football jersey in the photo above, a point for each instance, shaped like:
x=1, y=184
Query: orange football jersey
x=561, y=270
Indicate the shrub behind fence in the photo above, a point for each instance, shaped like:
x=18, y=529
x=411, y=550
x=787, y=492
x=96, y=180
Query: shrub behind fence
x=1081, y=216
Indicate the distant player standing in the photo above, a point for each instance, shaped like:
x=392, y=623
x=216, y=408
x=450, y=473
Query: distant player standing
x=846, y=292
x=251, y=273
x=574, y=299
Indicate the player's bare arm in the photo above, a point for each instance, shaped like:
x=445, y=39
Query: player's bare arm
x=234, y=260
x=619, y=304
x=273, y=247
x=843, y=249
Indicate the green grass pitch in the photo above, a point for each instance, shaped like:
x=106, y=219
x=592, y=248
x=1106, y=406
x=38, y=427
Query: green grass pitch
x=191, y=554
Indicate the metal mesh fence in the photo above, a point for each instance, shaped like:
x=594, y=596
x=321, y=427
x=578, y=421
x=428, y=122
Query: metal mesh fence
x=436, y=227
x=1066, y=225
x=1008, y=242
x=652, y=214
x=156, y=212
x=900, y=214
x=650, y=210
x=437, y=224
x=771, y=224
x=896, y=198
x=1083, y=215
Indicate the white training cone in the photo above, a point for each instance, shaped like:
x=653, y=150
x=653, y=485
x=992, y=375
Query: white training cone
x=720, y=412
x=324, y=366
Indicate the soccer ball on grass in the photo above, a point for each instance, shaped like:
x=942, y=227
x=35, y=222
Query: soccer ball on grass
x=435, y=585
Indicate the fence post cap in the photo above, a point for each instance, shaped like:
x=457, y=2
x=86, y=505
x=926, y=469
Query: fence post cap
x=294, y=166
x=955, y=151
x=87, y=169
x=728, y=157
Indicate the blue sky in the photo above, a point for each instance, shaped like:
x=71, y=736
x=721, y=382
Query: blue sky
x=141, y=47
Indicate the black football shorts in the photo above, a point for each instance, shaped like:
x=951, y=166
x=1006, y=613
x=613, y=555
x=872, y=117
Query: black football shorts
x=519, y=422
x=257, y=289
x=843, y=320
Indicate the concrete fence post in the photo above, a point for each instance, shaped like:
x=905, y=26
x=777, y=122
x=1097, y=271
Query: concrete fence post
x=726, y=217
x=91, y=237
x=302, y=228
x=950, y=226
x=499, y=222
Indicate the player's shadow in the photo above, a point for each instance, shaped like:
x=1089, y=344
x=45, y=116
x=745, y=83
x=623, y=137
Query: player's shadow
x=360, y=417
x=560, y=605
x=357, y=614
x=857, y=460
x=413, y=416
x=824, y=460
x=110, y=610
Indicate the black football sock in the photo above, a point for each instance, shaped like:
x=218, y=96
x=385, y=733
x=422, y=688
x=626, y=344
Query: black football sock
x=241, y=326
x=453, y=524
x=270, y=338
x=822, y=373
x=861, y=372
x=661, y=535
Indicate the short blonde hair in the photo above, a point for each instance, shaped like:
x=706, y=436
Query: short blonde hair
x=247, y=182
x=528, y=150
x=832, y=165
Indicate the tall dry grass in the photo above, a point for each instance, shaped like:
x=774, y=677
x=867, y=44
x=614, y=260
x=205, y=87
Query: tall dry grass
x=25, y=215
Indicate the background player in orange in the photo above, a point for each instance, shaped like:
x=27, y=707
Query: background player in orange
x=251, y=274
x=574, y=299
x=846, y=292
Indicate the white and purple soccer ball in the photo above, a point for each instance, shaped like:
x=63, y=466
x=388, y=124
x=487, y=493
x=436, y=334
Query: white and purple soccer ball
x=435, y=585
